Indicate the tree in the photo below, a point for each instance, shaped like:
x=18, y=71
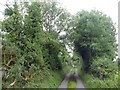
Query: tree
x=35, y=44
x=95, y=36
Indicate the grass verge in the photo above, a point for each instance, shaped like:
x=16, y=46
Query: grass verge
x=72, y=84
x=93, y=82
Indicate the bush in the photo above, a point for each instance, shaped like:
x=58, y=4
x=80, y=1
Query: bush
x=103, y=68
x=93, y=82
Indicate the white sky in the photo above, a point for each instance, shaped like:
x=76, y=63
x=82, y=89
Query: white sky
x=109, y=7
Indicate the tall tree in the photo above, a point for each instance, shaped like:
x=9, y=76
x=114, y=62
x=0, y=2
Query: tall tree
x=95, y=36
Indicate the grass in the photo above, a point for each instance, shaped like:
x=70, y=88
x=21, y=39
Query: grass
x=47, y=79
x=72, y=71
x=93, y=82
x=72, y=84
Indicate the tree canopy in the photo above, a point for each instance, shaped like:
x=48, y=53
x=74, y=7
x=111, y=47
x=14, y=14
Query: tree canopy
x=95, y=36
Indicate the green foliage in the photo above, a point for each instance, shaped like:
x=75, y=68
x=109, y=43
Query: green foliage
x=45, y=79
x=72, y=71
x=30, y=47
x=93, y=82
x=52, y=56
x=8, y=11
x=103, y=68
x=34, y=46
x=95, y=36
x=76, y=60
x=94, y=41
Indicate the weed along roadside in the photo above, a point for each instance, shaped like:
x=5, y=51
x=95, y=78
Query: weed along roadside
x=72, y=84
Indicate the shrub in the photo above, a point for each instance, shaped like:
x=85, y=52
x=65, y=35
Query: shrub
x=94, y=82
x=103, y=67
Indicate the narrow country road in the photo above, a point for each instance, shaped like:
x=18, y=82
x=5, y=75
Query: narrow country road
x=78, y=81
x=64, y=83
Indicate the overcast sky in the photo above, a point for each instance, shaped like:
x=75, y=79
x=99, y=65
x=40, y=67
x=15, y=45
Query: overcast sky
x=109, y=7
